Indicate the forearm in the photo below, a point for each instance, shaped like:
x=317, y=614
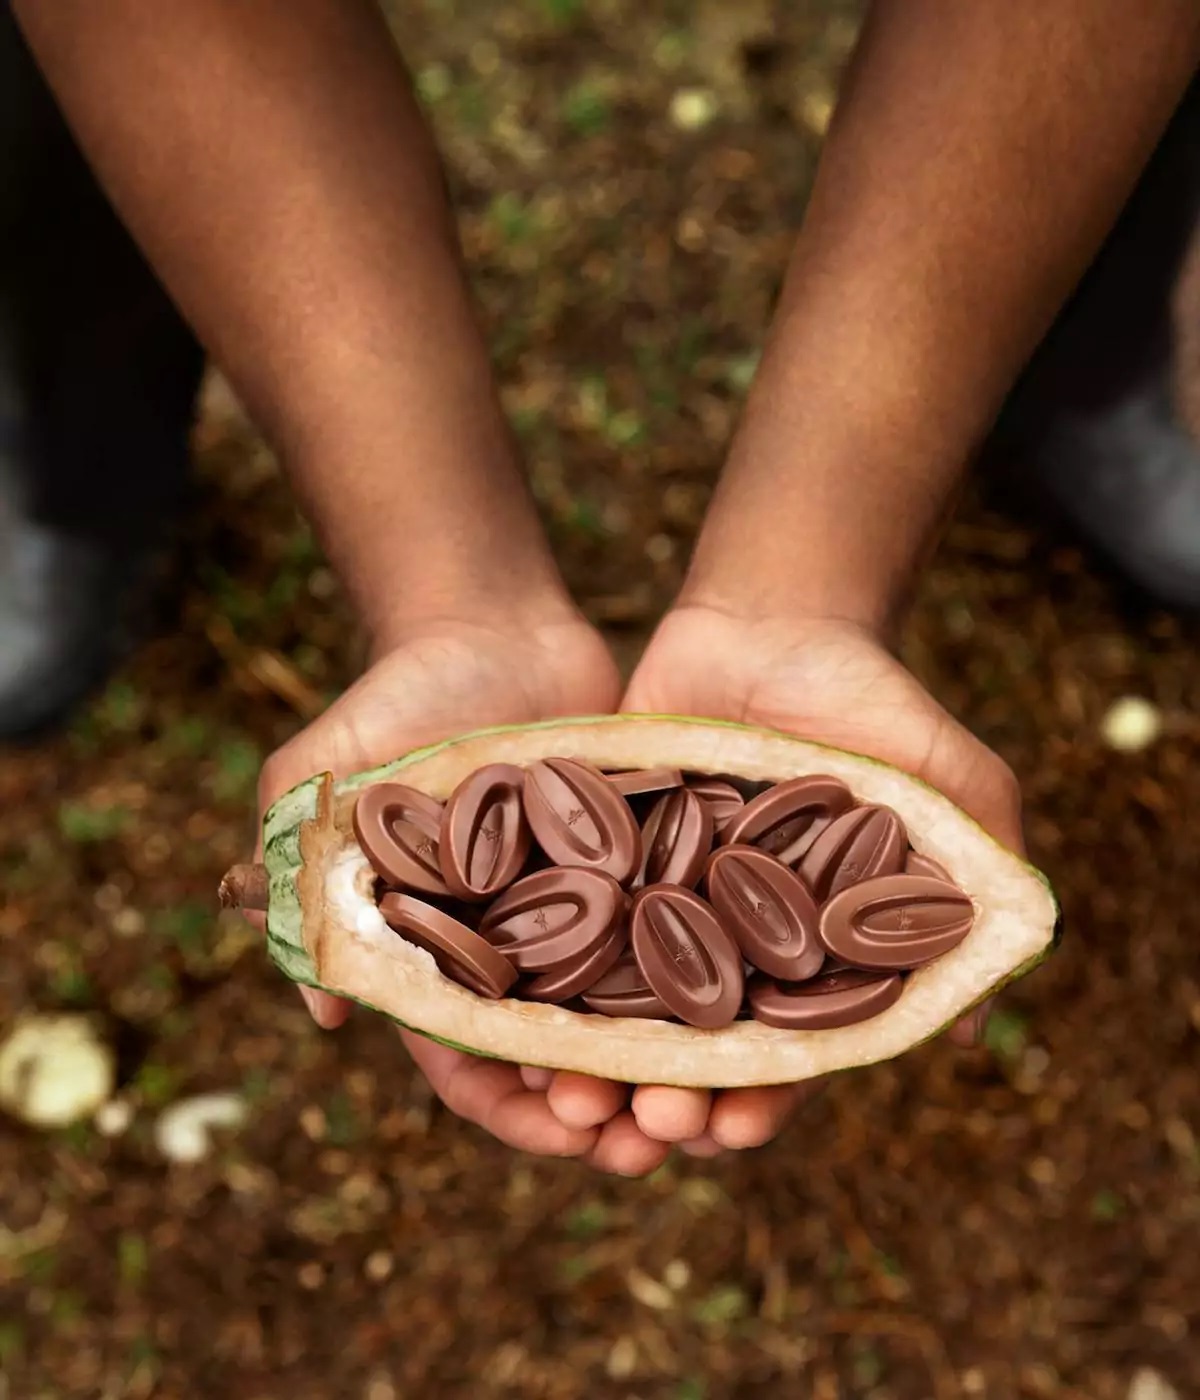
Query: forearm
x=979, y=154
x=271, y=160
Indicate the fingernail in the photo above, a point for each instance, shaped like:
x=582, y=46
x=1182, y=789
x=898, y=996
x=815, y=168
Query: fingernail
x=310, y=1000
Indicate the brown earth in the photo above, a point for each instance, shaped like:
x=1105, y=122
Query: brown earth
x=1020, y=1220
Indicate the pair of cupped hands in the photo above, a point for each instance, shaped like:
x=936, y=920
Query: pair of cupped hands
x=826, y=680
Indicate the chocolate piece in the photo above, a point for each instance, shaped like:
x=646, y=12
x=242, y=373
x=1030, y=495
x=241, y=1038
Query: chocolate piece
x=917, y=864
x=461, y=955
x=554, y=916
x=787, y=818
x=397, y=828
x=484, y=838
x=676, y=840
x=642, y=780
x=624, y=991
x=722, y=798
x=768, y=910
x=688, y=960
x=896, y=921
x=860, y=845
x=835, y=999
x=579, y=819
x=576, y=975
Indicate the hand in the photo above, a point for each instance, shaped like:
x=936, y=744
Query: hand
x=830, y=681
x=439, y=682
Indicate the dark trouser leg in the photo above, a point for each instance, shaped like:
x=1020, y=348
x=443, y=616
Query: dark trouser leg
x=1093, y=415
x=98, y=379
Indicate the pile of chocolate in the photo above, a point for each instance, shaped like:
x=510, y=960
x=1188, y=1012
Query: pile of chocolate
x=561, y=883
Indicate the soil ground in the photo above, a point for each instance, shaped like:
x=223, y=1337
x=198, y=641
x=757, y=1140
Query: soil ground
x=1020, y=1220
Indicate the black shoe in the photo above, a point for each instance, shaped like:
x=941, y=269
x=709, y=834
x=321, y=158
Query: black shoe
x=1129, y=477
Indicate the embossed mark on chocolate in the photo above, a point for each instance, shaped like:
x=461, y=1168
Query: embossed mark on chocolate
x=579, y=819
x=896, y=921
x=676, y=840
x=461, y=955
x=787, y=818
x=768, y=910
x=687, y=958
x=576, y=975
x=484, y=838
x=860, y=845
x=836, y=999
x=553, y=916
x=397, y=828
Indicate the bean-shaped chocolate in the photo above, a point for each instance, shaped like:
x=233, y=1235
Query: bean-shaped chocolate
x=787, y=818
x=835, y=999
x=917, y=864
x=722, y=799
x=676, y=840
x=576, y=975
x=397, y=828
x=624, y=991
x=859, y=845
x=688, y=959
x=484, y=838
x=768, y=910
x=638, y=781
x=552, y=916
x=461, y=955
x=896, y=921
x=579, y=819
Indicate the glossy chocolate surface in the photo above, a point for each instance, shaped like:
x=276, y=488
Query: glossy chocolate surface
x=461, y=955
x=577, y=974
x=768, y=910
x=484, y=839
x=624, y=991
x=688, y=959
x=554, y=916
x=642, y=780
x=917, y=864
x=859, y=845
x=397, y=828
x=722, y=798
x=579, y=819
x=676, y=840
x=787, y=818
x=834, y=999
x=896, y=921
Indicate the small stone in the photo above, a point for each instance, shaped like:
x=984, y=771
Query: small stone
x=693, y=108
x=648, y=1291
x=183, y=1132
x=1131, y=724
x=113, y=1118
x=622, y=1359
x=1148, y=1384
x=55, y=1070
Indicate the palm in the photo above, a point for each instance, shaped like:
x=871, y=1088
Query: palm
x=833, y=683
x=442, y=683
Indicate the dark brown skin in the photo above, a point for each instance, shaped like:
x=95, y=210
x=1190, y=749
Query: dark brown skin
x=273, y=164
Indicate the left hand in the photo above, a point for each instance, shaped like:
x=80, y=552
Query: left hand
x=830, y=681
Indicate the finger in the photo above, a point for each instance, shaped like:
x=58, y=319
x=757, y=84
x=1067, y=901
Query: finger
x=580, y=1101
x=327, y=1011
x=625, y=1150
x=703, y=1146
x=535, y=1077
x=972, y=1028
x=671, y=1115
x=743, y=1118
x=491, y=1094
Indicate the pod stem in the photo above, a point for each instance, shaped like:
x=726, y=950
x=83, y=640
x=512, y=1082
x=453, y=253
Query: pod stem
x=244, y=887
